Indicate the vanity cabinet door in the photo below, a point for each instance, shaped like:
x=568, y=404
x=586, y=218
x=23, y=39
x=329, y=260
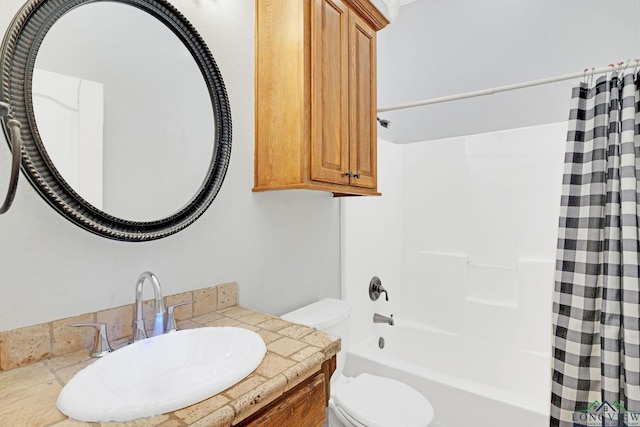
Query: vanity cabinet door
x=304, y=406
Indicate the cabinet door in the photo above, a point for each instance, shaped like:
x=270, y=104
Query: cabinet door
x=305, y=407
x=362, y=88
x=329, y=92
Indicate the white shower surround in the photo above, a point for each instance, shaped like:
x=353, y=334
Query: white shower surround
x=464, y=240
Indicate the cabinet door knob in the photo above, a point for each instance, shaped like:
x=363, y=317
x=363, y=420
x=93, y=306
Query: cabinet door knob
x=349, y=174
x=356, y=175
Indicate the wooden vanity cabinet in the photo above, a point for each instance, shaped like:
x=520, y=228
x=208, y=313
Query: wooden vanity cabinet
x=315, y=111
x=302, y=406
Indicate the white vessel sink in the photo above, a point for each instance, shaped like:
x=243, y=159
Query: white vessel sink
x=161, y=374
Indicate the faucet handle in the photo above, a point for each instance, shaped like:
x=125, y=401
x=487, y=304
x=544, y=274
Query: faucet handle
x=376, y=288
x=172, y=326
x=101, y=345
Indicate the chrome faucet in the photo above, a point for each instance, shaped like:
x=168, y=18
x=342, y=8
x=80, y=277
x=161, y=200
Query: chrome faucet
x=139, y=332
x=379, y=318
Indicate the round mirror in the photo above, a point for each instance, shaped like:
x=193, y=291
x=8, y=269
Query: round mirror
x=126, y=132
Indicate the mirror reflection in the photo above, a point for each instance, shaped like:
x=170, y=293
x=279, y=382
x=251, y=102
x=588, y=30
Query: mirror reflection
x=123, y=111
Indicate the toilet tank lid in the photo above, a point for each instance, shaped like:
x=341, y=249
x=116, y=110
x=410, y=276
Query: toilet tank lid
x=320, y=314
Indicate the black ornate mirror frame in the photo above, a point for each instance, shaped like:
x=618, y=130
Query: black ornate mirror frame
x=18, y=53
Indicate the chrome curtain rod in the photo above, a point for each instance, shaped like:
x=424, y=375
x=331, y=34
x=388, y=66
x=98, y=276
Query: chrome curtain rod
x=587, y=73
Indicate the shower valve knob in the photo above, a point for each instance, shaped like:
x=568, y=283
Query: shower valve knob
x=376, y=288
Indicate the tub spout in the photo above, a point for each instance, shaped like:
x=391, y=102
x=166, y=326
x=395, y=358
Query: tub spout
x=379, y=318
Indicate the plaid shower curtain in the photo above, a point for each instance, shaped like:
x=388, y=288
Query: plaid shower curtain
x=596, y=308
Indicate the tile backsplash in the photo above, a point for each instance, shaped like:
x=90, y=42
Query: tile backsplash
x=23, y=346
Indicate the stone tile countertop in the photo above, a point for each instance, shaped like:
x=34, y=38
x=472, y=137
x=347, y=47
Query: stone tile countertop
x=294, y=352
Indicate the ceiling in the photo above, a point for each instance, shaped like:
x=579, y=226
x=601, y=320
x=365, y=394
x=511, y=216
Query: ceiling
x=393, y=6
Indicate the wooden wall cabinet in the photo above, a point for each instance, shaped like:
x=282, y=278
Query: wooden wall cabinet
x=315, y=86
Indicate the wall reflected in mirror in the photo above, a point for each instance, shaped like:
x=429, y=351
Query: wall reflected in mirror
x=123, y=111
x=70, y=114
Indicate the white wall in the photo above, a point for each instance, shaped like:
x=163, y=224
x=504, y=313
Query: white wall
x=283, y=248
x=439, y=47
x=464, y=238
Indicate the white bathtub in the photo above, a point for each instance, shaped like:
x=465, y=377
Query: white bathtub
x=470, y=382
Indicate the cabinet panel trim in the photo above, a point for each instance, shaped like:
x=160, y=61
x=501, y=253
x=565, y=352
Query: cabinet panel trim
x=370, y=13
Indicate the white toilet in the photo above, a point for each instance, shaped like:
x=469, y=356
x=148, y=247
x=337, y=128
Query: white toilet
x=366, y=400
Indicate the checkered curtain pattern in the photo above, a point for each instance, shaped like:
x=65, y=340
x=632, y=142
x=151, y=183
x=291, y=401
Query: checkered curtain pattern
x=596, y=305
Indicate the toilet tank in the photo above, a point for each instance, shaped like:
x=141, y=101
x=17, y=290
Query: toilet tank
x=328, y=315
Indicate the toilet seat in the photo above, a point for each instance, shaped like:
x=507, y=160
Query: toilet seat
x=375, y=401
